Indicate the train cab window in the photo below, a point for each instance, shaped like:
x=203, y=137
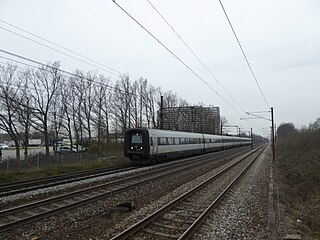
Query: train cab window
x=136, y=138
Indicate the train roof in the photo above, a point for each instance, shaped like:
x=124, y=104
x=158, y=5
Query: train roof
x=170, y=133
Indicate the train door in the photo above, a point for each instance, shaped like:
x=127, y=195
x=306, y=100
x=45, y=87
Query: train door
x=154, y=149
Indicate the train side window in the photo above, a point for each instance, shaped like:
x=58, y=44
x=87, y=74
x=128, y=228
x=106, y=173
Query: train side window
x=182, y=141
x=163, y=141
x=170, y=141
x=176, y=141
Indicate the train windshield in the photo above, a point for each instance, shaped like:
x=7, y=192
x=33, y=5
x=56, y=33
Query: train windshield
x=136, y=138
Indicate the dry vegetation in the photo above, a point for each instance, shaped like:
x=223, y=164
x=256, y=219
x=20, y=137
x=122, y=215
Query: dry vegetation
x=299, y=163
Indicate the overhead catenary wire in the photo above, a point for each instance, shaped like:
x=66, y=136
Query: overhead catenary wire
x=103, y=68
x=194, y=54
x=64, y=72
x=179, y=59
x=244, y=55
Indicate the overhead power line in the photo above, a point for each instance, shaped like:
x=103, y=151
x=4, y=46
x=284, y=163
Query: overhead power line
x=64, y=72
x=111, y=70
x=244, y=55
x=179, y=59
x=48, y=66
x=194, y=54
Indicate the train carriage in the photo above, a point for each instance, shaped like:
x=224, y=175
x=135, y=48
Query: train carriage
x=143, y=145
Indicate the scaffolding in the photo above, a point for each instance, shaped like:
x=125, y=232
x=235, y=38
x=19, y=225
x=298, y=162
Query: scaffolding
x=191, y=119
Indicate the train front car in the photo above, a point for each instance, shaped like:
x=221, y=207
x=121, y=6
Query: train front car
x=136, y=145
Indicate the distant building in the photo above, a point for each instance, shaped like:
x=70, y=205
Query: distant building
x=191, y=119
x=35, y=142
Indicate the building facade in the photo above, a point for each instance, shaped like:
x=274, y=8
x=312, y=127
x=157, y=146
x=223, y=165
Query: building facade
x=191, y=119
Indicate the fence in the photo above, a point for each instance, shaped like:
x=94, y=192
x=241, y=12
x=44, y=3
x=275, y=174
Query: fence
x=41, y=160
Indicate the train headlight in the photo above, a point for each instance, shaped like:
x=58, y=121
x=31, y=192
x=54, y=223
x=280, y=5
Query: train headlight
x=141, y=148
x=131, y=148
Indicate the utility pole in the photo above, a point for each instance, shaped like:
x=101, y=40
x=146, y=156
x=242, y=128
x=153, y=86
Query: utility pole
x=272, y=136
x=251, y=139
x=161, y=112
x=272, y=128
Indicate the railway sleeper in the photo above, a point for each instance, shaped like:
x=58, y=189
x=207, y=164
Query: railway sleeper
x=178, y=220
x=30, y=213
x=44, y=209
x=12, y=218
x=189, y=209
x=161, y=234
x=168, y=226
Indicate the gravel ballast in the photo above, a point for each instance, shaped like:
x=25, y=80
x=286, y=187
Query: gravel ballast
x=244, y=217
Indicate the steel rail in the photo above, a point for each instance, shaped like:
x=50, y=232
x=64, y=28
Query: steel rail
x=134, y=229
x=21, y=187
x=128, y=182
x=192, y=229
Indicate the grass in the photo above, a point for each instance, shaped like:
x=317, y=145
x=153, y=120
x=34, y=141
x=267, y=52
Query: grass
x=58, y=169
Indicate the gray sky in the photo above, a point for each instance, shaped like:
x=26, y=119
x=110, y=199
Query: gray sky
x=280, y=38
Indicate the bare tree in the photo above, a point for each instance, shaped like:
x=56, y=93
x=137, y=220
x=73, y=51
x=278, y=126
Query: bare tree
x=9, y=100
x=88, y=95
x=73, y=99
x=25, y=110
x=152, y=105
x=58, y=112
x=122, y=98
x=101, y=109
x=134, y=120
x=107, y=112
x=46, y=82
x=170, y=100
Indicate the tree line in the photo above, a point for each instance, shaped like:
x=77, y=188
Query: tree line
x=299, y=161
x=78, y=106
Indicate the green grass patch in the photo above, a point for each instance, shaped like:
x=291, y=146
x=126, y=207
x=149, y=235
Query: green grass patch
x=58, y=169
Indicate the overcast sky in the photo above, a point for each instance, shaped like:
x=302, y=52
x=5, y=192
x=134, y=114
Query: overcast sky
x=281, y=39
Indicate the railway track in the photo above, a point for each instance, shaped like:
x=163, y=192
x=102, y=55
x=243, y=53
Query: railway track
x=14, y=217
x=180, y=218
x=22, y=187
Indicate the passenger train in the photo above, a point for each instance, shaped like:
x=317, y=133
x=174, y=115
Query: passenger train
x=147, y=146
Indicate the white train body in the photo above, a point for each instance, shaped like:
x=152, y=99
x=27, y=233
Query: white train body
x=143, y=145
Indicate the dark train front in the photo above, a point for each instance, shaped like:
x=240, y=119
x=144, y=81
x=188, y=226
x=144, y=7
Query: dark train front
x=136, y=145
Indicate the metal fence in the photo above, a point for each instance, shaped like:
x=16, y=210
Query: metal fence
x=41, y=160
